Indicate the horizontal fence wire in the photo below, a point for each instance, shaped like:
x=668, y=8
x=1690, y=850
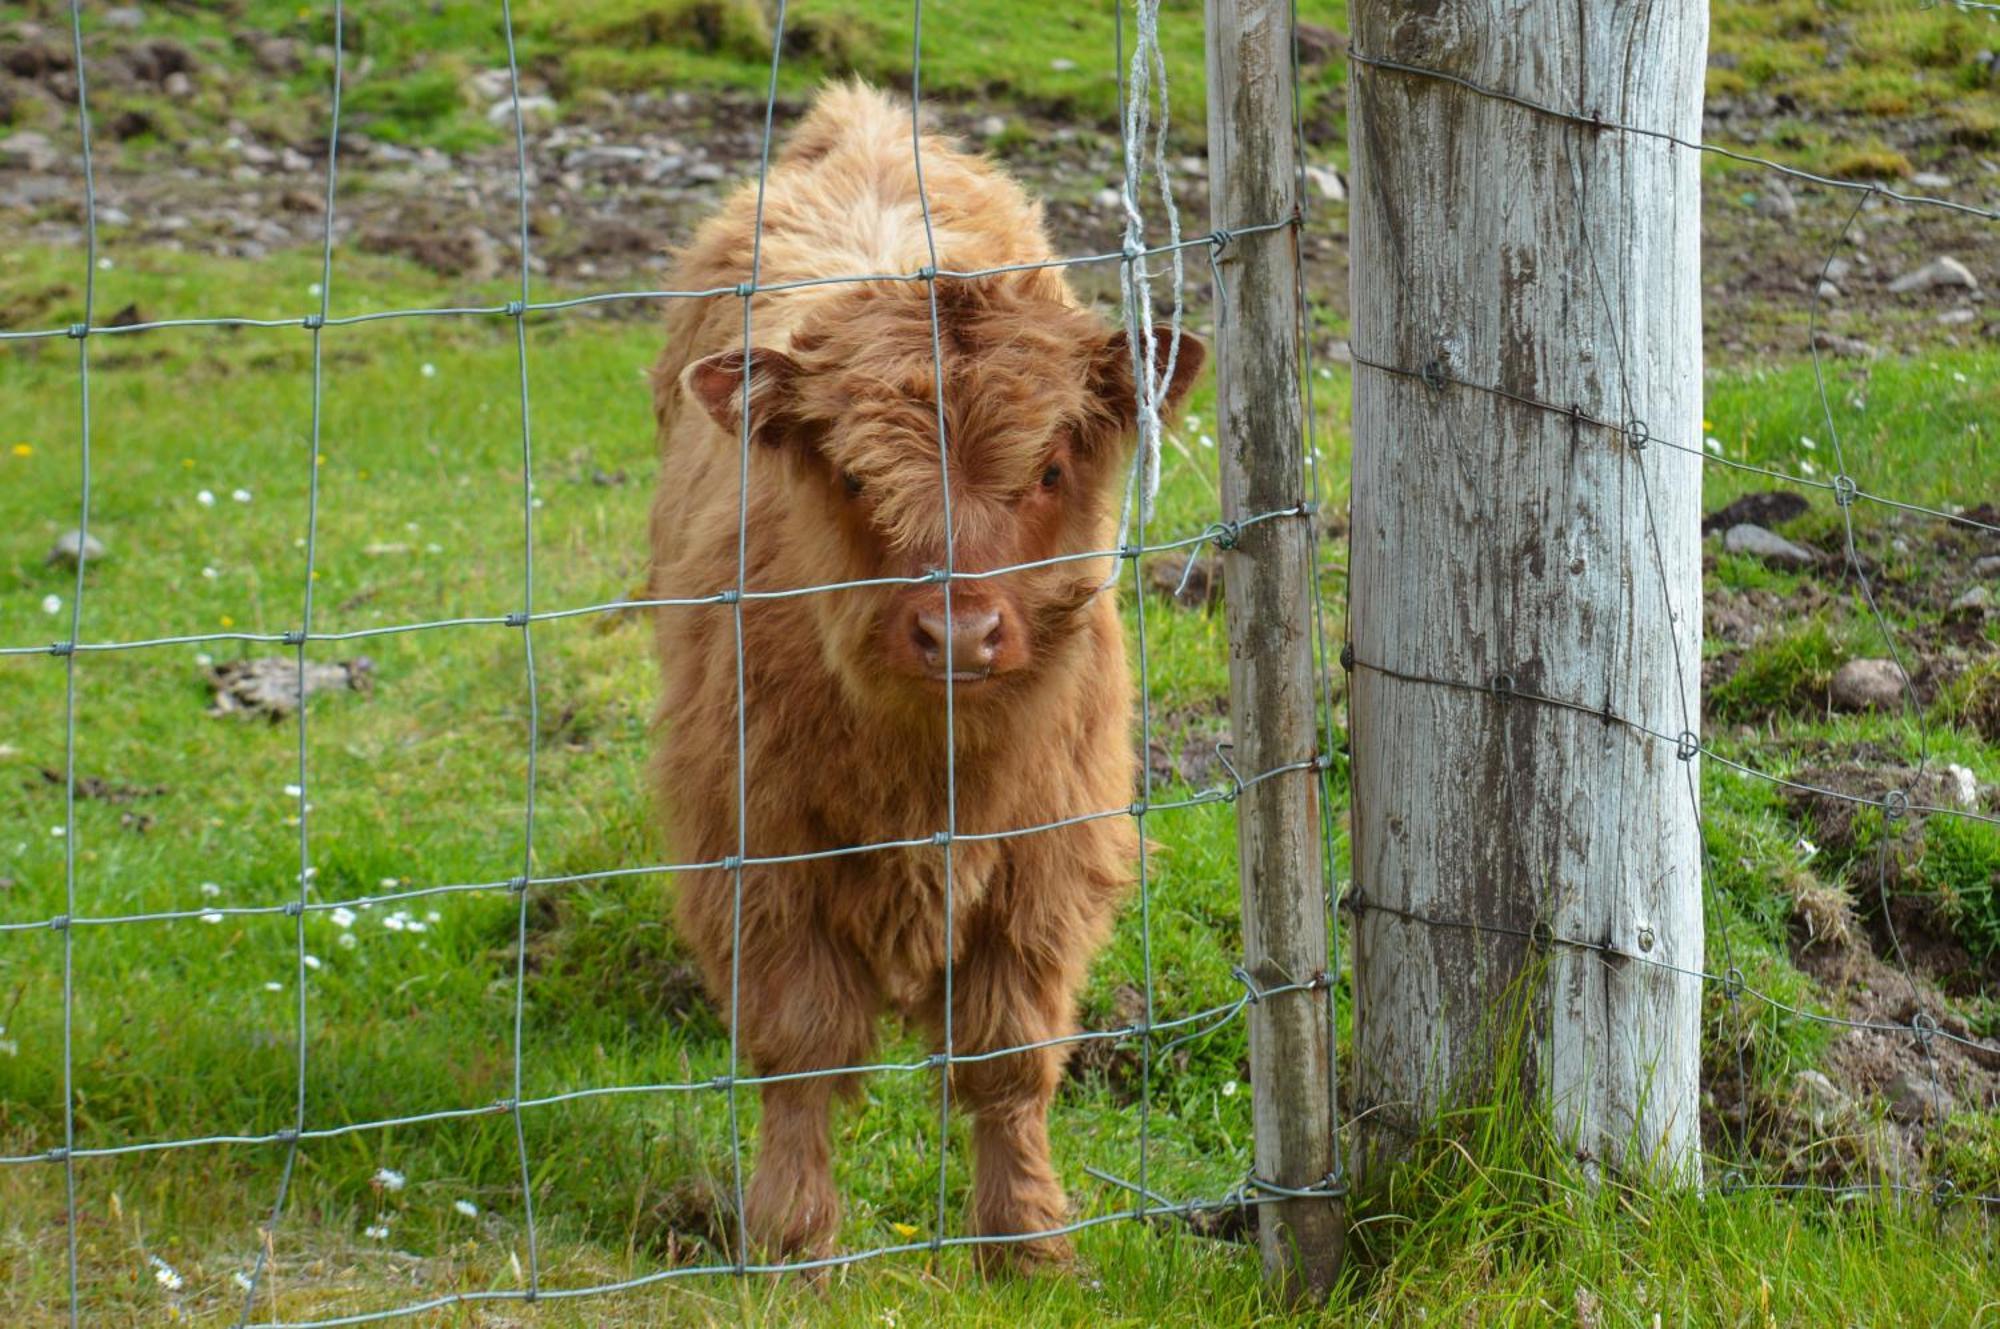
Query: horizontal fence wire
x=1147, y=1201
x=1923, y=1028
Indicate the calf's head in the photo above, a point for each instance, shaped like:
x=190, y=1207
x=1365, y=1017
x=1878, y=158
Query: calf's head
x=1037, y=407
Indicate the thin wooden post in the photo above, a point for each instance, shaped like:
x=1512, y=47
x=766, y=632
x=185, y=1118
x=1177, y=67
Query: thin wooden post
x=1527, y=581
x=1268, y=579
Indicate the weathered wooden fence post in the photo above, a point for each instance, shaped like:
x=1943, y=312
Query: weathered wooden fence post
x=1526, y=582
x=1268, y=579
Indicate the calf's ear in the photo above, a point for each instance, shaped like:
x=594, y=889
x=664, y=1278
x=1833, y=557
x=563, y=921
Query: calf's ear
x=716, y=383
x=1112, y=371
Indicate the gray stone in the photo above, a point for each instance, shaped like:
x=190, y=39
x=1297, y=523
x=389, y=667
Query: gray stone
x=610, y=157
x=1327, y=182
x=1961, y=784
x=1974, y=602
x=1776, y=202
x=1766, y=545
x=1913, y=1097
x=27, y=150
x=1852, y=347
x=1062, y=65
x=1826, y=290
x=992, y=126
x=1988, y=566
x=1931, y=180
x=70, y=544
x=535, y=111
x=708, y=172
x=1865, y=685
x=179, y=86
x=1957, y=318
x=1108, y=199
x=1820, y=1098
x=490, y=85
x=256, y=154
x=1944, y=270
x=1838, y=269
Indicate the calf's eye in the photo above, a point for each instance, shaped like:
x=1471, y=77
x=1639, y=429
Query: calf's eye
x=1052, y=477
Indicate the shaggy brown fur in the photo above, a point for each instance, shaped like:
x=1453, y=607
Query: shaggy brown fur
x=843, y=691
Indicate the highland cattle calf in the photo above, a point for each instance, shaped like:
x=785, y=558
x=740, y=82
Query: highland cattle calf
x=844, y=691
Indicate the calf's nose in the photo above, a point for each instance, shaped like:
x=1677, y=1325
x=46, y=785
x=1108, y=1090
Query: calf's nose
x=974, y=636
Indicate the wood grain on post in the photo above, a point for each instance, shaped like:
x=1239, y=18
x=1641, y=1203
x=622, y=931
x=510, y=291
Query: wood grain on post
x=1269, y=585
x=1499, y=548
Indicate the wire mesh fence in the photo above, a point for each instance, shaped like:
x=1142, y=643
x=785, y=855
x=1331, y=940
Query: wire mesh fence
x=1143, y=258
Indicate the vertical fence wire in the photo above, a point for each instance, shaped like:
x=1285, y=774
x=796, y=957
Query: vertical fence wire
x=82, y=334
x=316, y=325
x=534, y=718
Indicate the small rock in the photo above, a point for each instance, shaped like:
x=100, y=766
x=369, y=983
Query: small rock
x=179, y=86
x=1988, y=566
x=490, y=85
x=27, y=150
x=707, y=172
x=113, y=217
x=610, y=157
x=1913, y=1097
x=1820, y=1097
x=1777, y=203
x=1773, y=549
x=1826, y=290
x=1108, y=199
x=1852, y=347
x=68, y=546
x=126, y=16
x=1955, y=318
x=1327, y=182
x=1837, y=270
x=1961, y=785
x=1944, y=270
x=1062, y=65
x=536, y=112
x=1867, y=685
x=1931, y=180
x=1768, y=508
x=257, y=154
x=1974, y=602
x=992, y=126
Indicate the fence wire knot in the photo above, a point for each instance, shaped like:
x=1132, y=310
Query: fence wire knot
x=1252, y=994
x=1328, y=1187
x=1733, y=984
x=516, y=308
x=517, y=619
x=1923, y=1026
x=1944, y=1192
x=59, y=923
x=1221, y=238
x=1732, y=1182
x=1222, y=750
x=1688, y=746
x=313, y=322
x=57, y=1154
x=61, y=647
x=1136, y=808
x=1637, y=435
x=1433, y=375
x=1895, y=804
x=1503, y=686
x=1844, y=489
x=940, y=838
x=1347, y=656
x=78, y=331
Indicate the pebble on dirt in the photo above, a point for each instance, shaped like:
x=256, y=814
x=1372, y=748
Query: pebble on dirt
x=1944, y=270
x=1862, y=685
x=1913, y=1096
x=1773, y=549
